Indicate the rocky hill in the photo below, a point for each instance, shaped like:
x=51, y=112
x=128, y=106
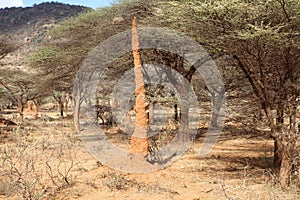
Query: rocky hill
x=28, y=27
x=14, y=19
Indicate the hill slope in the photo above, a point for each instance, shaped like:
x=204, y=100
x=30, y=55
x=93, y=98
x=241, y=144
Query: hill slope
x=28, y=27
x=13, y=19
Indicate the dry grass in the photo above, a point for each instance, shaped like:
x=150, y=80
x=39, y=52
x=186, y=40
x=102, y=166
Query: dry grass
x=49, y=162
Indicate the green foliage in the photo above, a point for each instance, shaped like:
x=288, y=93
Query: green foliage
x=16, y=85
x=221, y=26
x=46, y=55
x=58, y=60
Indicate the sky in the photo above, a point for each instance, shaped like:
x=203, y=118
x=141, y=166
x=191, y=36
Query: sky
x=26, y=3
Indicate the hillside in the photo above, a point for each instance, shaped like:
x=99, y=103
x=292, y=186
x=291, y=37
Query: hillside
x=28, y=27
x=14, y=19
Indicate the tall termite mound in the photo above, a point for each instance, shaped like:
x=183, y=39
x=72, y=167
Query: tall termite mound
x=139, y=139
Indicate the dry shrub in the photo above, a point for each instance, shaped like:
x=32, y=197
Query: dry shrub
x=34, y=168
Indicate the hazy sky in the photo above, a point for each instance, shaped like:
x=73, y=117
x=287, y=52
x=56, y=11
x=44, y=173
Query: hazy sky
x=25, y=3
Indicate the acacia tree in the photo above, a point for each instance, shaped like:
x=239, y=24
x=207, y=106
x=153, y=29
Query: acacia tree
x=17, y=87
x=58, y=60
x=60, y=97
x=261, y=38
x=54, y=74
x=265, y=44
x=6, y=46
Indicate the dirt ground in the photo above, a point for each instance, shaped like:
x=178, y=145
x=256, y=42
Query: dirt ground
x=45, y=159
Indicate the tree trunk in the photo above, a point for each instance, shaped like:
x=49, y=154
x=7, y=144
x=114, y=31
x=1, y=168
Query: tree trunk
x=278, y=144
x=279, y=117
x=21, y=110
x=67, y=105
x=274, y=134
x=277, y=159
x=284, y=149
x=288, y=149
x=217, y=104
x=76, y=112
x=183, y=88
x=183, y=136
x=139, y=140
x=61, y=107
x=71, y=104
x=285, y=168
x=21, y=107
x=284, y=145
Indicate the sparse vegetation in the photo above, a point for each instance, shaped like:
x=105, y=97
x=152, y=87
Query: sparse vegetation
x=37, y=166
x=256, y=47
